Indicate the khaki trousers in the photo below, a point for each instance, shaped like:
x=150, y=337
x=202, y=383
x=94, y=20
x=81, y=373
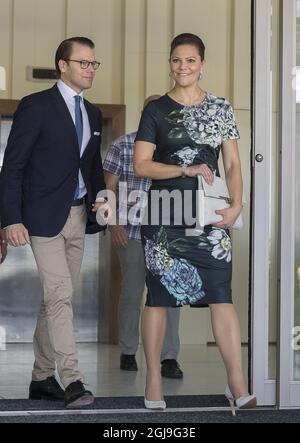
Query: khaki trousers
x=58, y=260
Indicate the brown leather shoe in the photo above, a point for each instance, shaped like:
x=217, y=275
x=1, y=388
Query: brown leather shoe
x=48, y=389
x=76, y=395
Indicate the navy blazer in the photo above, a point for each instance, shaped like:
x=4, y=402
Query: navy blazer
x=41, y=164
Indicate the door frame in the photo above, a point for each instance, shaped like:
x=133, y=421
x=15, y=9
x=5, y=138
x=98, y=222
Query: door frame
x=283, y=391
x=262, y=385
x=289, y=389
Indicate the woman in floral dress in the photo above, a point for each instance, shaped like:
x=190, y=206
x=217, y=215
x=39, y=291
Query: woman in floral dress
x=181, y=136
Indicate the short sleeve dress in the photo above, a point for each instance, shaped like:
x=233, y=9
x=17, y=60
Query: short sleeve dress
x=181, y=268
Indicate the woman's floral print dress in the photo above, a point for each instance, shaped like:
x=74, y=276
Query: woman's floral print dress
x=185, y=266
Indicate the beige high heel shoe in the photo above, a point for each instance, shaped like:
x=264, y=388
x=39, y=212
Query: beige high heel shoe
x=159, y=405
x=155, y=405
x=244, y=402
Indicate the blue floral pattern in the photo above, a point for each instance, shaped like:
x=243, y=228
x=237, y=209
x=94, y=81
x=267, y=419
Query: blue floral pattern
x=179, y=277
x=183, y=282
x=158, y=261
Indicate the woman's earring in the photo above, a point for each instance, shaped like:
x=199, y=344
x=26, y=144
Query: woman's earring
x=200, y=76
x=171, y=76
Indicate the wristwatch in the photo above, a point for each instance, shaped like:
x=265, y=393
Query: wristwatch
x=183, y=171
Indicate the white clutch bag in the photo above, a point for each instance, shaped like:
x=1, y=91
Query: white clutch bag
x=211, y=198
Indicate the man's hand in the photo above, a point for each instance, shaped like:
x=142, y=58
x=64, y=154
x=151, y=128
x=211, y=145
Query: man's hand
x=17, y=235
x=104, y=209
x=119, y=236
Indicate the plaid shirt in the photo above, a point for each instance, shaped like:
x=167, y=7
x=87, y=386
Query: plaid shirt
x=119, y=161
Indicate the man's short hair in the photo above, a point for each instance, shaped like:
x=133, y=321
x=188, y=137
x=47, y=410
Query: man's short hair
x=64, y=50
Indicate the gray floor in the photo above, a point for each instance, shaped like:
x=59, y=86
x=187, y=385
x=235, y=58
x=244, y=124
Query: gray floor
x=202, y=365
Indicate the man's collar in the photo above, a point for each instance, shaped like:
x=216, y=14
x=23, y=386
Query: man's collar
x=66, y=90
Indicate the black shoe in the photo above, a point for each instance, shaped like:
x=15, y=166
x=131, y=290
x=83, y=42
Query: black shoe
x=76, y=395
x=128, y=362
x=48, y=389
x=171, y=369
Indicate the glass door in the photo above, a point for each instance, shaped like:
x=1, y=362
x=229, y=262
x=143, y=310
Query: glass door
x=289, y=390
x=275, y=298
x=265, y=184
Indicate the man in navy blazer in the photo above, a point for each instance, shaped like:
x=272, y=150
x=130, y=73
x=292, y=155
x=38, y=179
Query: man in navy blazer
x=51, y=174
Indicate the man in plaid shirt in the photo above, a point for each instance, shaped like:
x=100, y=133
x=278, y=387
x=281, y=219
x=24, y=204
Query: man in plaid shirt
x=120, y=178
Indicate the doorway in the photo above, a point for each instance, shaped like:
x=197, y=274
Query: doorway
x=275, y=315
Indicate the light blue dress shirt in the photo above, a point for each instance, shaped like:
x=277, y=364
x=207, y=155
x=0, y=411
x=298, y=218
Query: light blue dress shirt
x=68, y=96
